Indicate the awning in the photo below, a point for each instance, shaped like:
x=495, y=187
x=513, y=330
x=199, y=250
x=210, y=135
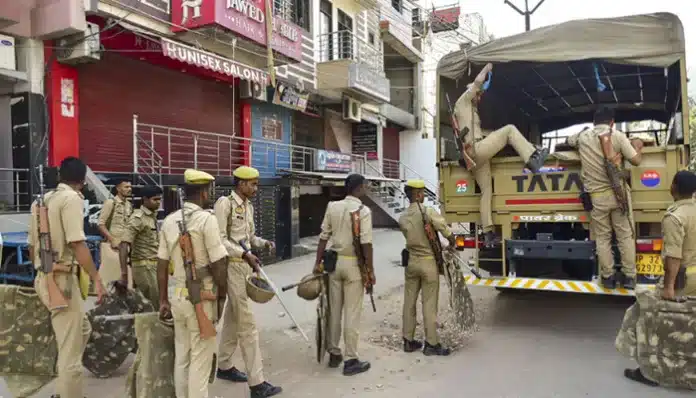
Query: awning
x=334, y=177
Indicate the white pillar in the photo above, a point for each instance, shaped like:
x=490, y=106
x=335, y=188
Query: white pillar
x=30, y=59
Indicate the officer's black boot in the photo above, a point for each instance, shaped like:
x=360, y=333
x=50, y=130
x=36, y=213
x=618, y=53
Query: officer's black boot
x=437, y=349
x=412, y=345
x=232, y=374
x=637, y=375
x=335, y=360
x=628, y=283
x=608, y=282
x=264, y=390
x=354, y=366
x=536, y=161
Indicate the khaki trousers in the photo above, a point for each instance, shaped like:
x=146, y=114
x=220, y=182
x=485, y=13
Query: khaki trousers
x=239, y=326
x=194, y=358
x=485, y=150
x=346, y=292
x=110, y=267
x=72, y=330
x=421, y=276
x=145, y=279
x=605, y=218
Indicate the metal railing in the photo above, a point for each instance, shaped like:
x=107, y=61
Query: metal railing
x=161, y=150
x=15, y=190
x=401, y=171
x=344, y=44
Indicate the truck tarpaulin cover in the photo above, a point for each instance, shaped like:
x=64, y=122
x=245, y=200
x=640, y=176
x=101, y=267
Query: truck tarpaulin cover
x=659, y=336
x=651, y=40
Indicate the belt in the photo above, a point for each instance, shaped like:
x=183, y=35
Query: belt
x=348, y=257
x=138, y=263
x=182, y=292
x=425, y=257
x=603, y=192
x=61, y=268
x=690, y=270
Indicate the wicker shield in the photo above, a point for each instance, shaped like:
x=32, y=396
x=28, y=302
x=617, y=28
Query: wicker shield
x=323, y=318
x=460, y=301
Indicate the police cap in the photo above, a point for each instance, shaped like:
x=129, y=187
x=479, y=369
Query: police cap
x=415, y=184
x=197, y=177
x=150, y=191
x=245, y=173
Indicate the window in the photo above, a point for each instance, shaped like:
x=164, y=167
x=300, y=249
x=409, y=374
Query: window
x=325, y=29
x=272, y=129
x=371, y=38
x=295, y=11
x=397, y=5
x=345, y=35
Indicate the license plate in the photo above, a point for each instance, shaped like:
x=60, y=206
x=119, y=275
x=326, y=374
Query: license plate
x=649, y=264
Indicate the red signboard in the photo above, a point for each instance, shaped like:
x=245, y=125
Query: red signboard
x=244, y=17
x=445, y=19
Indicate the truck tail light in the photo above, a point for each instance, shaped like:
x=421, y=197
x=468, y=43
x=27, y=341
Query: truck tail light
x=464, y=242
x=648, y=245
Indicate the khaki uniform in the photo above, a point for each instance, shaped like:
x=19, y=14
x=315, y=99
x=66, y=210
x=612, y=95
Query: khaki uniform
x=194, y=357
x=239, y=326
x=605, y=215
x=141, y=233
x=118, y=210
x=421, y=273
x=70, y=325
x=487, y=145
x=346, y=289
x=679, y=234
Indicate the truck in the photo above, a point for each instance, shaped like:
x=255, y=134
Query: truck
x=554, y=78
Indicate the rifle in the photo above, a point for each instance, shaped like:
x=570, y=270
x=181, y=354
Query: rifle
x=366, y=272
x=56, y=299
x=616, y=177
x=461, y=146
x=435, y=243
x=193, y=283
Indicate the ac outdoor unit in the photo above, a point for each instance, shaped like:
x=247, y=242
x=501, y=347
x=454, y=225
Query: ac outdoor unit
x=252, y=90
x=80, y=48
x=7, y=53
x=351, y=109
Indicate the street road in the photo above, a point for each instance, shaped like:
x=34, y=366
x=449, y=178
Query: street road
x=529, y=345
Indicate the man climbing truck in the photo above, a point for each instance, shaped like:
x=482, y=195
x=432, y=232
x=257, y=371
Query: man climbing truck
x=546, y=80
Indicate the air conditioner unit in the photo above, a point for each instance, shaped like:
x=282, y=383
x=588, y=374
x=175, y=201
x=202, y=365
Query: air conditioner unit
x=252, y=90
x=7, y=53
x=351, y=109
x=82, y=47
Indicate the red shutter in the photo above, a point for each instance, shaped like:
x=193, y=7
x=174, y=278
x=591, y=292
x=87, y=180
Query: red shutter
x=390, y=137
x=114, y=89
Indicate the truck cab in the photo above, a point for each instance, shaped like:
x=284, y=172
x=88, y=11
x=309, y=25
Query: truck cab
x=544, y=81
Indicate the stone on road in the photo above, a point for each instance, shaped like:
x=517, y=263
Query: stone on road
x=528, y=345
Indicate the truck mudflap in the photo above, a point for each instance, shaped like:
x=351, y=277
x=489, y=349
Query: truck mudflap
x=553, y=285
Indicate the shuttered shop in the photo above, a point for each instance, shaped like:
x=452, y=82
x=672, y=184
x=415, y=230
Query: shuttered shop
x=116, y=88
x=307, y=131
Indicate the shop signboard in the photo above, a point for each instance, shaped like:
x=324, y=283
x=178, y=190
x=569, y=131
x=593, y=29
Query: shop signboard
x=289, y=97
x=365, y=140
x=333, y=161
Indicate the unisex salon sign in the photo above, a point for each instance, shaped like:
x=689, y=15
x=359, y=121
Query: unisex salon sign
x=244, y=17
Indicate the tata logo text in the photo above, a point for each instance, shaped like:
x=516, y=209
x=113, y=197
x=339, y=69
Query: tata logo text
x=547, y=182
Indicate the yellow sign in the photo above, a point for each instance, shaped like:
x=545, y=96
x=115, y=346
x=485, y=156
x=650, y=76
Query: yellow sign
x=649, y=264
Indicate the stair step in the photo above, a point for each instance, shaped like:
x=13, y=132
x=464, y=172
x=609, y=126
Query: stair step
x=393, y=205
x=398, y=210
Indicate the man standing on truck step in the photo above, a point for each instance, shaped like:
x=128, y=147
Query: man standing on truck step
x=487, y=145
x=345, y=279
x=194, y=356
x=141, y=239
x=235, y=214
x=422, y=274
x=678, y=249
x=65, y=210
x=606, y=215
x=112, y=222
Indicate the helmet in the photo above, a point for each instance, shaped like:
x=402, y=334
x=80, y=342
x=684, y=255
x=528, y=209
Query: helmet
x=309, y=287
x=258, y=289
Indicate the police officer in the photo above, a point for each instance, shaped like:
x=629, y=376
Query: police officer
x=678, y=249
x=345, y=282
x=488, y=144
x=606, y=215
x=141, y=240
x=194, y=355
x=66, y=226
x=235, y=214
x=422, y=274
x=112, y=223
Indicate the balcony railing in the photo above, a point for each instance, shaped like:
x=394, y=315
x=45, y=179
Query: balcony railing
x=14, y=190
x=344, y=44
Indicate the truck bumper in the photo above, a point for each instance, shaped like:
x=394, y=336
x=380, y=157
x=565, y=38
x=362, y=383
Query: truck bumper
x=553, y=285
x=550, y=250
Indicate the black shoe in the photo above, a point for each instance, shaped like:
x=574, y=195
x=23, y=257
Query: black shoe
x=536, y=161
x=335, y=360
x=637, y=375
x=264, y=390
x=232, y=374
x=609, y=282
x=629, y=283
x=354, y=366
x=435, y=350
x=489, y=239
x=412, y=345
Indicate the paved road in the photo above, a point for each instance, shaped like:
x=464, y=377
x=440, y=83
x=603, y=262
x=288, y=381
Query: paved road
x=530, y=345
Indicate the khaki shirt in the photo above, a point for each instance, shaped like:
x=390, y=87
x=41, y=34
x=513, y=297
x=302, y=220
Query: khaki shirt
x=594, y=174
x=121, y=210
x=141, y=234
x=237, y=217
x=65, y=223
x=205, y=238
x=467, y=113
x=411, y=224
x=337, y=225
x=679, y=232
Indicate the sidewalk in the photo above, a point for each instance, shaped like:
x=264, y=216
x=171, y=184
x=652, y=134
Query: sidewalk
x=288, y=360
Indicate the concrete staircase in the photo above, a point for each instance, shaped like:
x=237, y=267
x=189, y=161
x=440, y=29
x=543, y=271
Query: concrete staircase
x=389, y=196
